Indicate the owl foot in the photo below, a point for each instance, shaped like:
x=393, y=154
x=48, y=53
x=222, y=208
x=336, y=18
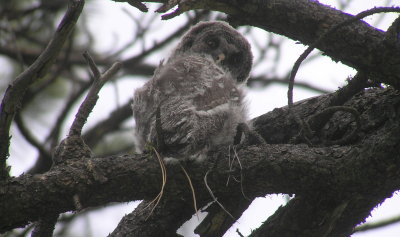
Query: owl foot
x=250, y=137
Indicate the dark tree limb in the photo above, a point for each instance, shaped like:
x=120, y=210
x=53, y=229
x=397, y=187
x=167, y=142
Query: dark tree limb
x=139, y=223
x=321, y=216
x=323, y=37
x=217, y=221
x=30, y=137
x=45, y=226
x=357, y=45
x=373, y=165
x=39, y=68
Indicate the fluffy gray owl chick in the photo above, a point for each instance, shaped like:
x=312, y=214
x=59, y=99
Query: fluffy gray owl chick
x=198, y=92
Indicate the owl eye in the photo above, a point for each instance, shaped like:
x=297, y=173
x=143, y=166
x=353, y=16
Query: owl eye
x=212, y=43
x=235, y=58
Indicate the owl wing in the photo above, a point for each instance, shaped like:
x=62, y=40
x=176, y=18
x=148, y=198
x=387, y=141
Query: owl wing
x=200, y=106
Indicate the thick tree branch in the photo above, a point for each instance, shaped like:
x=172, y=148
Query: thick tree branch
x=164, y=220
x=357, y=45
x=368, y=170
x=320, y=216
x=325, y=35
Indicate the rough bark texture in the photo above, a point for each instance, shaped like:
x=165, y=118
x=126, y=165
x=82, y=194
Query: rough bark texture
x=346, y=181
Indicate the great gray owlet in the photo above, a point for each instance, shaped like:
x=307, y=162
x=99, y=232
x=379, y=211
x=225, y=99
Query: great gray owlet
x=197, y=91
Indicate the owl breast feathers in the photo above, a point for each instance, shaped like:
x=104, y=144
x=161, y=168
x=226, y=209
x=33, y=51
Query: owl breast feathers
x=197, y=93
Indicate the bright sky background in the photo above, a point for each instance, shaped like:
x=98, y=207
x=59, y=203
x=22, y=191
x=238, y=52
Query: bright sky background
x=115, y=29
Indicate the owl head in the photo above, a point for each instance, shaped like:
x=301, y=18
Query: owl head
x=223, y=43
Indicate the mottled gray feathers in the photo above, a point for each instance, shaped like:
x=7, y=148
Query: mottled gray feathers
x=197, y=92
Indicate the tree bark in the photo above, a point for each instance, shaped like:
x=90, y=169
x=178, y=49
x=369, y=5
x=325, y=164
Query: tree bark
x=351, y=178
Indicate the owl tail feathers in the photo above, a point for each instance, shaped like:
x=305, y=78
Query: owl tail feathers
x=161, y=147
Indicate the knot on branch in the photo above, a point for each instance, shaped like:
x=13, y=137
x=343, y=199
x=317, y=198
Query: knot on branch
x=310, y=136
x=72, y=147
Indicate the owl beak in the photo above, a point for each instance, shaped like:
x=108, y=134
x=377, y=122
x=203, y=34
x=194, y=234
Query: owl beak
x=220, y=57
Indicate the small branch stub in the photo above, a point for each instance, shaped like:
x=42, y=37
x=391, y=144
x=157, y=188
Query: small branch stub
x=73, y=146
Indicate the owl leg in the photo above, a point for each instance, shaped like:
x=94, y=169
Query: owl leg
x=160, y=142
x=251, y=137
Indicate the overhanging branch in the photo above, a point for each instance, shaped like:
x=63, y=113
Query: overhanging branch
x=357, y=45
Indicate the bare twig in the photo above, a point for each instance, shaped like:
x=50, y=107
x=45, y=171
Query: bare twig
x=30, y=137
x=376, y=225
x=135, y=3
x=39, y=68
x=305, y=128
x=110, y=124
x=73, y=146
x=214, y=198
x=54, y=134
x=134, y=60
x=238, y=232
x=157, y=199
x=91, y=98
x=314, y=124
x=355, y=85
x=192, y=189
x=241, y=174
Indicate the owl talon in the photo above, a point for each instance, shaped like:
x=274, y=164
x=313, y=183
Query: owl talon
x=251, y=137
